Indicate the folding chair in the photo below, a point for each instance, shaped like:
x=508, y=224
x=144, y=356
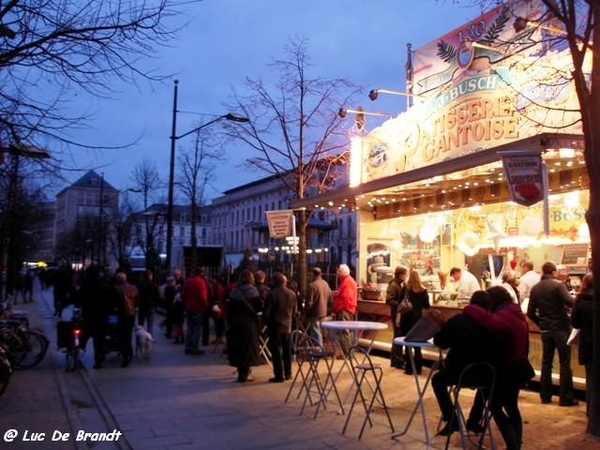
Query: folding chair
x=298, y=345
x=482, y=378
x=308, y=357
x=366, y=372
x=263, y=341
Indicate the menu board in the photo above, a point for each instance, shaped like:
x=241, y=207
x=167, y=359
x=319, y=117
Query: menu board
x=575, y=254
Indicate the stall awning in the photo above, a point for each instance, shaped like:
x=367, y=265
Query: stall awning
x=457, y=182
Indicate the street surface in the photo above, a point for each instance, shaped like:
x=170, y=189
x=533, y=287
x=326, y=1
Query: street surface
x=177, y=401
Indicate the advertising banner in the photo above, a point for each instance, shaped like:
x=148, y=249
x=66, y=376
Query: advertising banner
x=524, y=175
x=496, y=80
x=280, y=223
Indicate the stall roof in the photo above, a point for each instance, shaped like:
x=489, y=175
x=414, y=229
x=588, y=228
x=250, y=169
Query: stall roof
x=453, y=183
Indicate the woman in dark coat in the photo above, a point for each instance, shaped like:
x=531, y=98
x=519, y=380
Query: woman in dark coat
x=418, y=296
x=582, y=318
x=242, y=308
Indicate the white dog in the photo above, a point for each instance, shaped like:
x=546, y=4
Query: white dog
x=143, y=342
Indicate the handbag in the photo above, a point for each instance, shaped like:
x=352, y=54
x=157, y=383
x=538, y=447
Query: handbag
x=405, y=305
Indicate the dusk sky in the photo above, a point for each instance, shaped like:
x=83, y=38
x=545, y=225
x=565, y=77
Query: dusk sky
x=229, y=40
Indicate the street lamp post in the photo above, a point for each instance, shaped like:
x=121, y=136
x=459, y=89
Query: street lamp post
x=174, y=137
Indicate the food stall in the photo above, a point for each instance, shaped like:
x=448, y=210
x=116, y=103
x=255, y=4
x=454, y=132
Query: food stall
x=483, y=171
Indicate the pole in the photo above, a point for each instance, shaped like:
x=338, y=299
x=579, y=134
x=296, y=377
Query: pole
x=101, y=221
x=171, y=181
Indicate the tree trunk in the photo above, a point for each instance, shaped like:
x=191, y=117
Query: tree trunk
x=302, y=263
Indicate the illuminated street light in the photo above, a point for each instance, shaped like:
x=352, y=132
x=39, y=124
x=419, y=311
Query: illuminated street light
x=174, y=137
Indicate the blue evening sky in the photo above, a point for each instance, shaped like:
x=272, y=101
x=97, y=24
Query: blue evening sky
x=226, y=41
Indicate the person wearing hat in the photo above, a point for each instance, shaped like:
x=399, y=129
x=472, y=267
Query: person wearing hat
x=315, y=308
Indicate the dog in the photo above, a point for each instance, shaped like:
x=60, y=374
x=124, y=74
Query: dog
x=143, y=342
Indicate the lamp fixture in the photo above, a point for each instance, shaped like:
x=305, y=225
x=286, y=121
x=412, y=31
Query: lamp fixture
x=374, y=93
x=342, y=112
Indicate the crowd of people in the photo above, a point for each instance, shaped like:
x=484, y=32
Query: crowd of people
x=493, y=329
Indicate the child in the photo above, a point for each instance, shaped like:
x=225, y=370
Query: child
x=177, y=317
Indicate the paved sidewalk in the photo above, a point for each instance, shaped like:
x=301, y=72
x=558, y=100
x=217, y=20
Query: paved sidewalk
x=177, y=401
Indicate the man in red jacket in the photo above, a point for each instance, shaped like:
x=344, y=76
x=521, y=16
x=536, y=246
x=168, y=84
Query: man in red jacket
x=194, y=296
x=345, y=300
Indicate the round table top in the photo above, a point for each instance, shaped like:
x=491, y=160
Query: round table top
x=362, y=325
x=427, y=344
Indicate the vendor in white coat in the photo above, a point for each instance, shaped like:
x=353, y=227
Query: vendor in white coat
x=527, y=280
x=467, y=283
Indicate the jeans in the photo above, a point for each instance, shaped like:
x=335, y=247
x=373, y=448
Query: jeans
x=314, y=330
x=556, y=341
x=194, y=327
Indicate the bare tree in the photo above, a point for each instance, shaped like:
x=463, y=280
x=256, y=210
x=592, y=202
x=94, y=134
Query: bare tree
x=197, y=169
x=51, y=50
x=120, y=233
x=293, y=129
x=147, y=181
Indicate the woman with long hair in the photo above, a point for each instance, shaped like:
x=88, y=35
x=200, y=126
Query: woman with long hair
x=418, y=296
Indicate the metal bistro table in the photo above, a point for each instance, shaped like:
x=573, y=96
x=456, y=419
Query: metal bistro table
x=420, y=389
x=358, y=327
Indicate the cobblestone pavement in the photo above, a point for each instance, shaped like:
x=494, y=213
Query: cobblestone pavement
x=177, y=401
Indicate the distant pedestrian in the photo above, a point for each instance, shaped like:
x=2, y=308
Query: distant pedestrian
x=177, y=315
x=241, y=309
x=172, y=289
x=126, y=300
x=280, y=308
x=194, y=295
x=148, y=291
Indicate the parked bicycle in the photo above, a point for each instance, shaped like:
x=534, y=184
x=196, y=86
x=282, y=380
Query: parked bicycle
x=24, y=348
x=5, y=369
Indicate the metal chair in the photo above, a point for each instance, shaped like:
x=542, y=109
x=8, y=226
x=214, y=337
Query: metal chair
x=309, y=356
x=263, y=341
x=298, y=346
x=367, y=373
x=480, y=377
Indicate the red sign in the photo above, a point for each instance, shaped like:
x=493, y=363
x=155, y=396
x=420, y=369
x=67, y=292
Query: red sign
x=524, y=175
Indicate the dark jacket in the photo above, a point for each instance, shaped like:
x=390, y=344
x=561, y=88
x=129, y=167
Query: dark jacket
x=149, y=297
x=242, y=320
x=468, y=341
x=395, y=292
x=420, y=301
x=548, y=303
x=279, y=310
x=582, y=318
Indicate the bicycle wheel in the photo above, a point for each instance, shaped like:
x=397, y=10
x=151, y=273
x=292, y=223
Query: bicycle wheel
x=35, y=346
x=73, y=361
x=14, y=344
